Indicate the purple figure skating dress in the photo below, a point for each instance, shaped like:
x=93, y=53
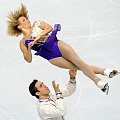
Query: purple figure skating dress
x=48, y=49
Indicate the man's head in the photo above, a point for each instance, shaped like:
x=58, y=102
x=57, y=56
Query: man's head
x=17, y=21
x=39, y=89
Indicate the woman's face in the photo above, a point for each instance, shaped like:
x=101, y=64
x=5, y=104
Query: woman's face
x=24, y=23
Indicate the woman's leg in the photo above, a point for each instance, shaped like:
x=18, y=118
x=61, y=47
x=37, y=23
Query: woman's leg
x=69, y=54
x=63, y=63
x=97, y=70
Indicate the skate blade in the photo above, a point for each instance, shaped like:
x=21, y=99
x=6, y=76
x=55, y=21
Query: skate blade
x=106, y=89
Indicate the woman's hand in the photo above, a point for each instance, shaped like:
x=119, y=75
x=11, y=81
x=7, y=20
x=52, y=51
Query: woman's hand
x=31, y=44
x=42, y=38
x=38, y=38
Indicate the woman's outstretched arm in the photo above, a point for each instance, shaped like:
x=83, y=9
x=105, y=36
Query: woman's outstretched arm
x=46, y=29
x=26, y=51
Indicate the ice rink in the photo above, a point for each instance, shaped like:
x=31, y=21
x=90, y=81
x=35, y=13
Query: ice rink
x=92, y=28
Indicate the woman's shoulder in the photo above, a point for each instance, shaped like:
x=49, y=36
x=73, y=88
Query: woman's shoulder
x=23, y=40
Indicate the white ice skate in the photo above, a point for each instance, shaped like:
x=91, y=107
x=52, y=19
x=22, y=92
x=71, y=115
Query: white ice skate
x=110, y=72
x=106, y=88
x=103, y=86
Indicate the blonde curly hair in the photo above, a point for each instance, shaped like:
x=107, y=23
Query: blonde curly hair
x=13, y=17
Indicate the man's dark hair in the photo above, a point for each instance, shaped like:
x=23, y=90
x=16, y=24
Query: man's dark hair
x=33, y=89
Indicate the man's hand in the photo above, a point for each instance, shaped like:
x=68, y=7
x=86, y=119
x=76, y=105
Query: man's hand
x=72, y=73
x=56, y=87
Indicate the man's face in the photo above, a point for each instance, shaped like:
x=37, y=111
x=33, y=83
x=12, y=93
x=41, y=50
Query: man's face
x=42, y=88
x=24, y=22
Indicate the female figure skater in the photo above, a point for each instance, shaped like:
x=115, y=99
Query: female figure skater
x=57, y=52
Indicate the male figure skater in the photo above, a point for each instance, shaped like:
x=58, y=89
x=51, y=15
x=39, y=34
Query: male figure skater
x=52, y=106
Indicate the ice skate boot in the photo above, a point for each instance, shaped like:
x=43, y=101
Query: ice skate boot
x=106, y=88
x=103, y=86
x=110, y=72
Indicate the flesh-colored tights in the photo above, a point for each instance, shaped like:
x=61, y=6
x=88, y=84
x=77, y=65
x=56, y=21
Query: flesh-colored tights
x=70, y=60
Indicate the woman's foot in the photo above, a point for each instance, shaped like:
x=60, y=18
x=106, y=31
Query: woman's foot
x=113, y=73
x=106, y=88
x=103, y=86
x=110, y=72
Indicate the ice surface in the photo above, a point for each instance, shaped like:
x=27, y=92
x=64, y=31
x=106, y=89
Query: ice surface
x=92, y=28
